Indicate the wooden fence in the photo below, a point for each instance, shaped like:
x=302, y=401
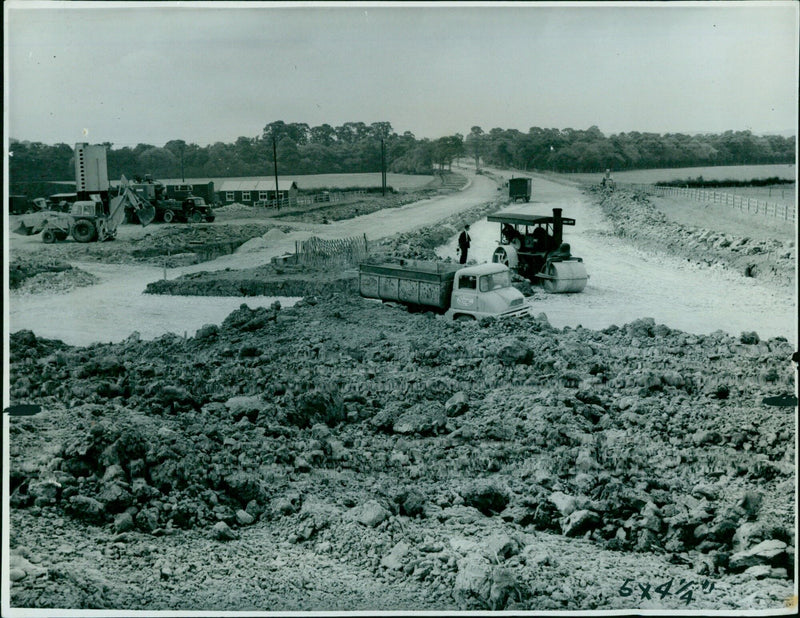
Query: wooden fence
x=341, y=252
x=751, y=205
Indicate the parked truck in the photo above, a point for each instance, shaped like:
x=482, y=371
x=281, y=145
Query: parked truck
x=171, y=205
x=520, y=189
x=192, y=209
x=459, y=293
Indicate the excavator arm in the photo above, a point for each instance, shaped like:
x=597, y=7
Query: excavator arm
x=144, y=210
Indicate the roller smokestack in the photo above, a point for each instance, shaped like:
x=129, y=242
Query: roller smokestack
x=557, y=227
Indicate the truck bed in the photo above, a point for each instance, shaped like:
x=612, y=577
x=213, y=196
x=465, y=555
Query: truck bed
x=426, y=284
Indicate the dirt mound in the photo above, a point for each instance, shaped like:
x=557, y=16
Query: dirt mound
x=449, y=458
x=30, y=275
x=265, y=280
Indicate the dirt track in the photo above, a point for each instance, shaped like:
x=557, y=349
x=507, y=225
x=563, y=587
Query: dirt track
x=345, y=455
x=626, y=282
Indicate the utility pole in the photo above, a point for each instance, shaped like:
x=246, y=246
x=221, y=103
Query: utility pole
x=275, y=161
x=383, y=167
x=183, y=176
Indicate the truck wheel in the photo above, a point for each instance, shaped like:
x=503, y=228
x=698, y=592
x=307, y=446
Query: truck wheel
x=463, y=317
x=169, y=216
x=48, y=236
x=196, y=217
x=84, y=231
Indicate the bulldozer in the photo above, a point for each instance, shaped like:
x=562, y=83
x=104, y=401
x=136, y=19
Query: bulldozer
x=93, y=216
x=532, y=246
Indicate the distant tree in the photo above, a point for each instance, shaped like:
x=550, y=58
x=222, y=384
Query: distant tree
x=381, y=130
x=446, y=149
x=323, y=134
x=274, y=130
x=475, y=144
x=160, y=162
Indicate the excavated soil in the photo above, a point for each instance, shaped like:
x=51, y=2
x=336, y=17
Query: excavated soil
x=302, y=458
x=342, y=454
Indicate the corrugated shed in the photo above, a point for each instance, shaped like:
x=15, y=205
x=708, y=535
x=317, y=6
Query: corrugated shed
x=284, y=184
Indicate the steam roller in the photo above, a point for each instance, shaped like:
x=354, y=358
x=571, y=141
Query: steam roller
x=532, y=246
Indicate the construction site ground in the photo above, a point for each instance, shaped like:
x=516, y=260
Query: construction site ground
x=340, y=454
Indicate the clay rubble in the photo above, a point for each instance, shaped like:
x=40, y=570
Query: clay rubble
x=341, y=454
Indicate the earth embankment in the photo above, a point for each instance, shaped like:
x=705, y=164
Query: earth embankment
x=500, y=465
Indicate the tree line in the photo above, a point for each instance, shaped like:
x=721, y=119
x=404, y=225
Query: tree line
x=571, y=150
x=356, y=147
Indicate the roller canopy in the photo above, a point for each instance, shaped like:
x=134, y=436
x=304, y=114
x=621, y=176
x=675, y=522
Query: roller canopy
x=522, y=219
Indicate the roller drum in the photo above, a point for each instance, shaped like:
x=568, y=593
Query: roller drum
x=564, y=277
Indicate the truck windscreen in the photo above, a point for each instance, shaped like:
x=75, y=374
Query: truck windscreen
x=495, y=281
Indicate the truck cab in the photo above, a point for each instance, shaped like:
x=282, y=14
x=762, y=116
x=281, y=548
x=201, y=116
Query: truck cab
x=196, y=210
x=485, y=290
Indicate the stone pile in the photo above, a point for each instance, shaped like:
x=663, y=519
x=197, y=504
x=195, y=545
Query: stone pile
x=339, y=419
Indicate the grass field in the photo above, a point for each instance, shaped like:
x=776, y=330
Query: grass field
x=779, y=194
x=726, y=219
x=402, y=182
x=725, y=172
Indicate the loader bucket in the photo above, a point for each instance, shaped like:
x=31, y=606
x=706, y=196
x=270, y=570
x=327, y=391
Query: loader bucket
x=564, y=277
x=146, y=214
x=24, y=230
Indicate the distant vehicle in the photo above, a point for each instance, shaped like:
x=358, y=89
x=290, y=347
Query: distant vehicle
x=193, y=209
x=181, y=191
x=459, y=293
x=62, y=201
x=520, y=189
x=20, y=204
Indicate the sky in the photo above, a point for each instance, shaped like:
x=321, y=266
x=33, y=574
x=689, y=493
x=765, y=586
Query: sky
x=130, y=73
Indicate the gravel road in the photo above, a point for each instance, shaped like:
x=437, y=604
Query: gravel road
x=115, y=307
x=626, y=284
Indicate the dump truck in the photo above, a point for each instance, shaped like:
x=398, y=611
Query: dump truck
x=94, y=216
x=458, y=293
x=520, y=189
x=184, y=190
x=532, y=246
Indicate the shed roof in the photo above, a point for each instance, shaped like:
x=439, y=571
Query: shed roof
x=258, y=185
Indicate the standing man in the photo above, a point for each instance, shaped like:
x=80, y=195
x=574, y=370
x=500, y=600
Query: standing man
x=463, y=244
